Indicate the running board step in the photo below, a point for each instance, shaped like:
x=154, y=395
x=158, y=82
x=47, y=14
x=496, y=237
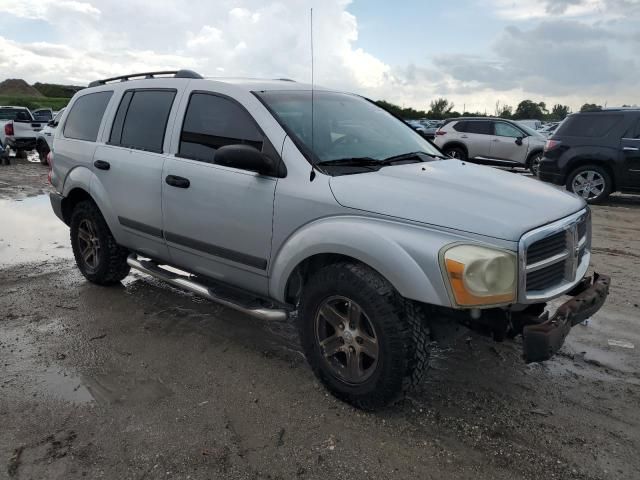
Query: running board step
x=227, y=296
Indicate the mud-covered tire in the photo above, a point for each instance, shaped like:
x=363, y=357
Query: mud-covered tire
x=43, y=151
x=111, y=265
x=401, y=329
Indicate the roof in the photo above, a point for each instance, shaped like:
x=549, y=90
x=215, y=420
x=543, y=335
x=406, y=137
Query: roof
x=11, y=106
x=254, y=84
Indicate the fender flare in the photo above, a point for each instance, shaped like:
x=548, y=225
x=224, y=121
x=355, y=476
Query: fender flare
x=84, y=179
x=386, y=246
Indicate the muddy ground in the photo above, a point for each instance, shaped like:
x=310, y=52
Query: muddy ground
x=144, y=381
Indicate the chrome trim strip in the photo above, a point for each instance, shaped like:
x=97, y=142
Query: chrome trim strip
x=569, y=224
x=547, y=261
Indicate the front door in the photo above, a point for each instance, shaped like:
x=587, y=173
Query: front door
x=218, y=219
x=505, y=144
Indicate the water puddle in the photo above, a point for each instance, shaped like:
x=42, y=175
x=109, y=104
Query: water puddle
x=31, y=232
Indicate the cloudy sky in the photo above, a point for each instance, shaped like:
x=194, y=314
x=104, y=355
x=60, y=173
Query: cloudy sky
x=474, y=52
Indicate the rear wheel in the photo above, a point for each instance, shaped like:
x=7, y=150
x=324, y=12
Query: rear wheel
x=100, y=259
x=363, y=341
x=591, y=182
x=456, y=152
x=534, y=163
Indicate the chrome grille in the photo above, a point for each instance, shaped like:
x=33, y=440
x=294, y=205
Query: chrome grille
x=553, y=258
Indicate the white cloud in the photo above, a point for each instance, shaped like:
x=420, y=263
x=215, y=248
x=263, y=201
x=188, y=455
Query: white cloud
x=577, y=57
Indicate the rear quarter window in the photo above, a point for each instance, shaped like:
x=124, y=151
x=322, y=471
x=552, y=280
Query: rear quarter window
x=596, y=125
x=85, y=116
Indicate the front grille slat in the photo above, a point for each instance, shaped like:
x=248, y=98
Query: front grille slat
x=541, y=279
x=547, y=247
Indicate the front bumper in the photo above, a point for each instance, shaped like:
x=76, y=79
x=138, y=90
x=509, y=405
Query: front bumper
x=543, y=335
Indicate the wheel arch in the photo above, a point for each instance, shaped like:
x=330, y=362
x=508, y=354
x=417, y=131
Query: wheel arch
x=369, y=242
x=533, y=153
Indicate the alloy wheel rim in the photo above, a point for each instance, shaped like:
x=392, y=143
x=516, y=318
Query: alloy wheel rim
x=88, y=244
x=588, y=184
x=347, y=339
x=454, y=154
x=536, y=164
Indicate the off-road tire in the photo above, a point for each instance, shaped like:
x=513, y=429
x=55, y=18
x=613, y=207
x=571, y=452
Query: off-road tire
x=112, y=259
x=455, y=152
x=608, y=183
x=401, y=327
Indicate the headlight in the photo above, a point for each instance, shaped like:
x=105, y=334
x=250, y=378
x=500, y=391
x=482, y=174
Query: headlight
x=480, y=276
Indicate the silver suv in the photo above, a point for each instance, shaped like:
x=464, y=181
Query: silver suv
x=492, y=141
x=349, y=218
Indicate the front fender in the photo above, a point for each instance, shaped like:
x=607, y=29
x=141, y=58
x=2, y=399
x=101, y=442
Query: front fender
x=406, y=255
x=83, y=178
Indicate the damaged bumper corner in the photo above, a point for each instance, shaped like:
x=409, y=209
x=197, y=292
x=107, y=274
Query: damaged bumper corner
x=543, y=335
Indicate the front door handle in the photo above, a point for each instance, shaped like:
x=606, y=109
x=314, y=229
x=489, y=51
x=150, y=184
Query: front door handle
x=102, y=165
x=176, y=181
x=630, y=149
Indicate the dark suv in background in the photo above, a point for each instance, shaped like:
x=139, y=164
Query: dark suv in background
x=595, y=153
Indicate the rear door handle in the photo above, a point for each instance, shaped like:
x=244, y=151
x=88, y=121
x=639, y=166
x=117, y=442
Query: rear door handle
x=176, y=181
x=102, y=165
x=630, y=149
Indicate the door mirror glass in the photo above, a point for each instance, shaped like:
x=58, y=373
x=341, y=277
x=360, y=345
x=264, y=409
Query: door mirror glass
x=245, y=157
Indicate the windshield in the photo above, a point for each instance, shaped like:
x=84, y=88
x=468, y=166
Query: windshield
x=345, y=126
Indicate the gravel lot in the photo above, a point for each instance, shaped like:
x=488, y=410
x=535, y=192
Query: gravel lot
x=145, y=381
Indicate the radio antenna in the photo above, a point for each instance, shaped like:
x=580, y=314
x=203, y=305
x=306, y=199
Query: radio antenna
x=312, y=175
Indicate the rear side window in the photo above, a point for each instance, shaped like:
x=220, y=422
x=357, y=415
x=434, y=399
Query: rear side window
x=14, y=114
x=211, y=122
x=595, y=125
x=481, y=127
x=141, y=119
x=460, y=126
x=85, y=116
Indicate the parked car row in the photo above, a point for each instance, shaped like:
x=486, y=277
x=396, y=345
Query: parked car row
x=426, y=128
x=22, y=130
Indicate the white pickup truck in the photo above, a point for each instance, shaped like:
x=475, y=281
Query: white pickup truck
x=18, y=129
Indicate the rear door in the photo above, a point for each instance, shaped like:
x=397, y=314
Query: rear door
x=505, y=144
x=477, y=137
x=218, y=219
x=129, y=166
x=630, y=150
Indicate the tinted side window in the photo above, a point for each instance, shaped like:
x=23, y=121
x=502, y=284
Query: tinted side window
x=85, y=116
x=481, y=127
x=506, y=130
x=211, y=122
x=460, y=127
x=595, y=125
x=141, y=119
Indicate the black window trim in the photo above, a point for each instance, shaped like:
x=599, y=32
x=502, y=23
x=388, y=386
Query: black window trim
x=478, y=120
x=166, y=124
x=282, y=168
x=66, y=120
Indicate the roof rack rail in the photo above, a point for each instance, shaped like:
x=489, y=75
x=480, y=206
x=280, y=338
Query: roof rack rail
x=285, y=79
x=124, y=78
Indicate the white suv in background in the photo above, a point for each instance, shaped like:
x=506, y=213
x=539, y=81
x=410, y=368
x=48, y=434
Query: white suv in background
x=492, y=141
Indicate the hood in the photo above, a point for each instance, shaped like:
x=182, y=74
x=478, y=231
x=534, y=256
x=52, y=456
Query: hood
x=458, y=195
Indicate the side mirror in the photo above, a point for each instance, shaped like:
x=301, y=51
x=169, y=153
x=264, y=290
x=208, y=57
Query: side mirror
x=519, y=141
x=51, y=123
x=245, y=157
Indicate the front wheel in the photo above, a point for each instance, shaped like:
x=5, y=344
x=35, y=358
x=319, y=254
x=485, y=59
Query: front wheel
x=591, y=182
x=100, y=259
x=364, y=342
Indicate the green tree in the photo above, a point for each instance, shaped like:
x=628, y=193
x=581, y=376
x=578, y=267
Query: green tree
x=559, y=112
x=590, y=107
x=404, y=113
x=528, y=110
x=440, y=108
x=505, y=111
